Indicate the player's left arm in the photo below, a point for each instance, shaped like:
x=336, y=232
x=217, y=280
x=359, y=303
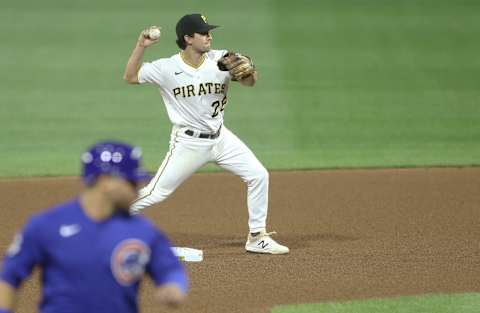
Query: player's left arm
x=7, y=297
x=168, y=273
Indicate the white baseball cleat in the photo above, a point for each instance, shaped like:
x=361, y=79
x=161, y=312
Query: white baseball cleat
x=263, y=243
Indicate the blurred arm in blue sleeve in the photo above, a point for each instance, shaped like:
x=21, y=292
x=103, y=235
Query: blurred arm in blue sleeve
x=168, y=273
x=21, y=257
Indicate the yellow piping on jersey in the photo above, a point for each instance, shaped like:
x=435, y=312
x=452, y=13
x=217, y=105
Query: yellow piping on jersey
x=138, y=73
x=163, y=166
x=190, y=64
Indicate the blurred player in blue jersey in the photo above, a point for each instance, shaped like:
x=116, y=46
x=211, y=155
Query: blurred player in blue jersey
x=93, y=254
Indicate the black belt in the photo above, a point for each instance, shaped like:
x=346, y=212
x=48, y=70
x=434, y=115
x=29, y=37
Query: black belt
x=203, y=135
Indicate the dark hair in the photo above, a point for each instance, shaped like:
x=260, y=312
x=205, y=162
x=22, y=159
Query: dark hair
x=181, y=43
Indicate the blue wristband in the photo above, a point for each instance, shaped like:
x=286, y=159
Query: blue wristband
x=5, y=311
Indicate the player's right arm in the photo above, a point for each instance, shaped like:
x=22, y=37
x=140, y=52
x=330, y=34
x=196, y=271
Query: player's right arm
x=20, y=259
x=136, y=58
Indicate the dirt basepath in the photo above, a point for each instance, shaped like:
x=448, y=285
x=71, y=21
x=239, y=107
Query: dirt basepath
x=352, y=234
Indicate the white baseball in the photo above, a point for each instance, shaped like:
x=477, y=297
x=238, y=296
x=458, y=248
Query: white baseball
x=154, y=33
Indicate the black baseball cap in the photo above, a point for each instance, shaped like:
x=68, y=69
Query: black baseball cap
x=193, y=23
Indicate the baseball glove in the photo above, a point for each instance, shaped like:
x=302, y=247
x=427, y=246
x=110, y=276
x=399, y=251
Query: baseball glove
x=239, y=66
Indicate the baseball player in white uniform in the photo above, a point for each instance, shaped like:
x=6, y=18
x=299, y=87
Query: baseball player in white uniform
x=194, y=89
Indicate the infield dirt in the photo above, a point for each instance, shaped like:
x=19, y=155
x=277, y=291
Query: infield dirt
x=352, y=234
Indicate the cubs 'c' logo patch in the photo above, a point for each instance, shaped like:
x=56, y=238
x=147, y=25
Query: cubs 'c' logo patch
x=128, y=261
x=204, y=18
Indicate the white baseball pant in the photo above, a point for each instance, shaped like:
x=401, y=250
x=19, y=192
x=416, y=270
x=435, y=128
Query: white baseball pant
x=187, y=154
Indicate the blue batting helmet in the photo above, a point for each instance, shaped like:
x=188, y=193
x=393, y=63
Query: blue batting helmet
x=113, y=158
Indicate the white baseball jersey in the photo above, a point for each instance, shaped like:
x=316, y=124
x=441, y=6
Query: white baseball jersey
x=194, y=97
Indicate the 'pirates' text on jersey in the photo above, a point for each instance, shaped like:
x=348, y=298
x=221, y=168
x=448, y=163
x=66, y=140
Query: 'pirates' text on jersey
x=194, y=97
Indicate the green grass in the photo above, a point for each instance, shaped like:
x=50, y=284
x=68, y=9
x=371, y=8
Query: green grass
x=342, y=83
x=453, y=303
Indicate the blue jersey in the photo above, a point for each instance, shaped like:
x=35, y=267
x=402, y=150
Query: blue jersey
x=90, y=266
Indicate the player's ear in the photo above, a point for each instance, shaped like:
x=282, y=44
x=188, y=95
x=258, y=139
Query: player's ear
x=188, y=39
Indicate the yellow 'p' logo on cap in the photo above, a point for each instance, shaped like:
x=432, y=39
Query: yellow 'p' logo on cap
x=204, y=18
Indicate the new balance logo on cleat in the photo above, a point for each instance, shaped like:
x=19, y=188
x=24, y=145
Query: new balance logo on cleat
x=263, y=244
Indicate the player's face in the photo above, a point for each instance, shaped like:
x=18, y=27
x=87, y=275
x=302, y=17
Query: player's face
x=201, y=42
x=121, y=192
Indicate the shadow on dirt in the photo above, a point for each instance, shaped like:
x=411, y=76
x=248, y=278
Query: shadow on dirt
x=299, y=241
